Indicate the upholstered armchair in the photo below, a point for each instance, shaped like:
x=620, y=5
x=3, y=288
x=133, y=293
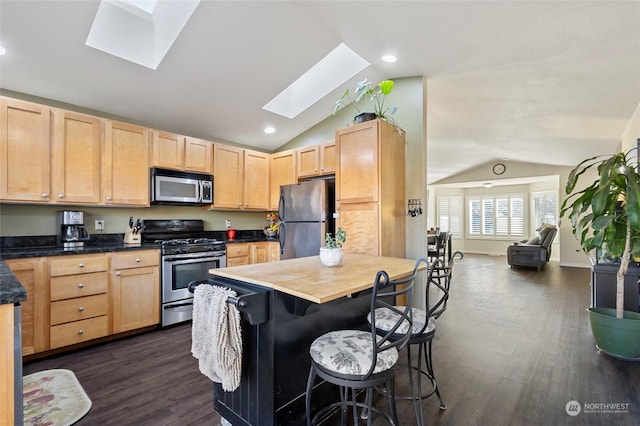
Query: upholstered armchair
x=534, y=252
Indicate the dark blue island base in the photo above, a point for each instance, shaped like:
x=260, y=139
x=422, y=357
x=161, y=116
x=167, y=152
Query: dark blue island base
x=276, y=361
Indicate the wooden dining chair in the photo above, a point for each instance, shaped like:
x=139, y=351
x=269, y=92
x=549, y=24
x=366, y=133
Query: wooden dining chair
x=438, y=249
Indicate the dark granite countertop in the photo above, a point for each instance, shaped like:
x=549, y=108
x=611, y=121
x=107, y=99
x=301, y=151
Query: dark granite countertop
x=58, y=251
x=11, y=291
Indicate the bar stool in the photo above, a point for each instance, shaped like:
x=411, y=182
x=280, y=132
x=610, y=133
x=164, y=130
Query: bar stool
x=356, y=360
x=423, y=331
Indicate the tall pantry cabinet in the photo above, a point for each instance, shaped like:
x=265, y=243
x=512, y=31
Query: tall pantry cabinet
x=370, y=188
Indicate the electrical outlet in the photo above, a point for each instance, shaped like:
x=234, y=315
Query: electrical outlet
x=227, y=223
x=99, y=225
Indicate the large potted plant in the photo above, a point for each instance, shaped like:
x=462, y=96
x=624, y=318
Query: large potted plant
x=605, y=216
x=375, y=95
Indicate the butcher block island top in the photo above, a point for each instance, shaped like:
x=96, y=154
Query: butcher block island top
x=308, y=279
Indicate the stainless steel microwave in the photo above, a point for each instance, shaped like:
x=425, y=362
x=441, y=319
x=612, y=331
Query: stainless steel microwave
x=181, y=188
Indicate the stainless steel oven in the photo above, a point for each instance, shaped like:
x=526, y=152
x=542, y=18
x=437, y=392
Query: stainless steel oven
x=188, y=253
x=178, y=270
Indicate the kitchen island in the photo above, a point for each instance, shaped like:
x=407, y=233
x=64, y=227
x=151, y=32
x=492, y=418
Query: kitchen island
x=285, y=305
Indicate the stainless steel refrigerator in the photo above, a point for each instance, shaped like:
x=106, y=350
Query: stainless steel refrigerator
x=306, y=212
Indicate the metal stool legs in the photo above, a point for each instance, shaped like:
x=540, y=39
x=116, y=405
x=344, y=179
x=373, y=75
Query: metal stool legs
x=424, y=351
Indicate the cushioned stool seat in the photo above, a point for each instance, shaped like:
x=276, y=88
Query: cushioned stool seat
x=385, y=318
x=348, y=352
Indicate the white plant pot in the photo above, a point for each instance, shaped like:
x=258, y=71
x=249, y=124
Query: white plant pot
x=330, y=256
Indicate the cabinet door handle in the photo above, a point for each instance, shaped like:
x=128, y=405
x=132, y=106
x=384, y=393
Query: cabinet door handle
x=80, y=332
x=45, y=195
x=60, y=195
x=117, y=274
x=137, y=260
x=81, y=309
x=108, y=198
x=81, y=265
x=80, y=285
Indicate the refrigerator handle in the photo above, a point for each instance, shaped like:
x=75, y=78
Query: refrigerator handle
x=282, y=229
x=281, y=207
x=282, y=234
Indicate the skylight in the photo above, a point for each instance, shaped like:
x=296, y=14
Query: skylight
x=140, y=31
x=329, y=73
x=146, y=5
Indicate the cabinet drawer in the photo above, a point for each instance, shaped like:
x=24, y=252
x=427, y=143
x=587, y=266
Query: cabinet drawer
x=67, y=287
x=135, y=259
x=69, y=265
x=238, y=261
x=79, y=308
x=237, y=250
x=79, y=331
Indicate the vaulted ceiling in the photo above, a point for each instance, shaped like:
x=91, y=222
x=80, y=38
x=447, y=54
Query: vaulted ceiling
x=546, y=82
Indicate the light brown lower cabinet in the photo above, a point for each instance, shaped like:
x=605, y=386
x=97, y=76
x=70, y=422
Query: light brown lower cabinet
x=135, y=289
x=76, y=284
x=35, y=328
x=76, y=298
x=249, y=253
x=237, y=254
x=79, y=331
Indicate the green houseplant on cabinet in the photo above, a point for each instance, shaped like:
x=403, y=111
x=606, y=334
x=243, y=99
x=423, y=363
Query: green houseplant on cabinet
x=376, y=95
x=605, y=216
x=331, y=253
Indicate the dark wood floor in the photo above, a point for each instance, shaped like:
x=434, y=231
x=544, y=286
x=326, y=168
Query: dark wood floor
x=513, y=348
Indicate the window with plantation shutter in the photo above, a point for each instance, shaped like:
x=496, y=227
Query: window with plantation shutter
x=475, y=217
x=449, y=214
x=499, y=216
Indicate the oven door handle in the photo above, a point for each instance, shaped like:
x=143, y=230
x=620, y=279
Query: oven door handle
x=182, y=260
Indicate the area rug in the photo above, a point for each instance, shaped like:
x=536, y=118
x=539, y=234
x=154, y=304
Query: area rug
x=53, y=398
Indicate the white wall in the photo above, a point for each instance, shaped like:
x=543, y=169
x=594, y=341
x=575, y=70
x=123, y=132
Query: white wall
x=632, y=133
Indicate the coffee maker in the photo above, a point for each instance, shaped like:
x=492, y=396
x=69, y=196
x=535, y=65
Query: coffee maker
x=72, y=232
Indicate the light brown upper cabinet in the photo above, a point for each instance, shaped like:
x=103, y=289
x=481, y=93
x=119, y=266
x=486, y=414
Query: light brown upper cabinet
x=172, y=151
x=24, y=151
x=77, y=148
x=256, y=180
x=198, y=155
x=283, y=172
x=241, y=178
x=50, y=155
x=327, y=152
x=317, y=160
x=126, y=165
x=370, y=188
x=167, y=150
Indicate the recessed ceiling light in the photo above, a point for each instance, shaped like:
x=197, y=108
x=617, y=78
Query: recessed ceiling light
x=269, y=130
x=2, y=50
x=389, y=58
